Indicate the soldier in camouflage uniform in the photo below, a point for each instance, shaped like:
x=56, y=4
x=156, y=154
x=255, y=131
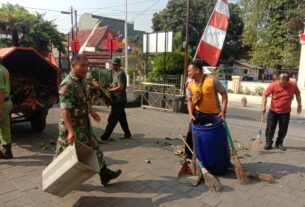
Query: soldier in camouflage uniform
x=75, y=109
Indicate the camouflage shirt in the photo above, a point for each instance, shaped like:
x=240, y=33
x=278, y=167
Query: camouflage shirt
x=73, y=96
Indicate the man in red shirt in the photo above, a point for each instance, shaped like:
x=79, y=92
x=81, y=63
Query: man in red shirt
x=282, y=91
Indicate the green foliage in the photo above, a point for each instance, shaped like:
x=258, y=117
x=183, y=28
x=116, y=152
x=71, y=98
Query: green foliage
x=258, y=91
x=135, y=40
x=247, y=91
x=29, y=30
x=178, y=42
x=173, y=18
x=171, y=64
x=229, y=90
x=240, y=90
x=271, y=31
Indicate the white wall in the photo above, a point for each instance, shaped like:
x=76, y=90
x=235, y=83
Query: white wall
x=250, y=85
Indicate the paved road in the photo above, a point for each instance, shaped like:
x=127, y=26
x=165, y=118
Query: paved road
x=153, y=184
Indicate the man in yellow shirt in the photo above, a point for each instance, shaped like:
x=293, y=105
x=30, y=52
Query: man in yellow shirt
x=203, y=102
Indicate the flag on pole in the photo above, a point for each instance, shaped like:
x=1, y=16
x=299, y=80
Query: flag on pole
x=211, y=42
x=81, y=50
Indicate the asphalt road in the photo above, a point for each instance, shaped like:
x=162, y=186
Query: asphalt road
x=251, y=116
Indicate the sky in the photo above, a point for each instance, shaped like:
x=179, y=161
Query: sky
x=139, y=11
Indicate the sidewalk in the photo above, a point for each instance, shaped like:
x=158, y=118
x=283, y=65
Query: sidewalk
x=142, y=184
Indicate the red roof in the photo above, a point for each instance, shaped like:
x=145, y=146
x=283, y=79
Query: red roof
x=97, y=38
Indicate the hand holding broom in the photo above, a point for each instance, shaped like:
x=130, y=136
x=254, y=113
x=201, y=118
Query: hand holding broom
x=239, y=169
x=211, y=181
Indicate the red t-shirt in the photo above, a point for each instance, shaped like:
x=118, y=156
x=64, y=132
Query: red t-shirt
x=281, y=96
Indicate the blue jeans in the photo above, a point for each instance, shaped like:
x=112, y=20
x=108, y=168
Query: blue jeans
x=272, y=120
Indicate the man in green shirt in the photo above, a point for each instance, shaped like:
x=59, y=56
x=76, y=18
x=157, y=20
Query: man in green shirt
x=5, y=109
x=119, y=100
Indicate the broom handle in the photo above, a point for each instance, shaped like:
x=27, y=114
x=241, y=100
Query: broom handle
x=261, y=124
x=200, y=163
x=229, y=135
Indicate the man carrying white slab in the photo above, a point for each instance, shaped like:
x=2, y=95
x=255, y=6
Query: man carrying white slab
x=74, y=123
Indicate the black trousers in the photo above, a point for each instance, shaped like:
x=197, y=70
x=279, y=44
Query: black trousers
x=116, y=115
x=200, y=119
x=272, y=120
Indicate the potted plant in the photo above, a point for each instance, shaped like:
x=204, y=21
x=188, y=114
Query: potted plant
x=244, y=101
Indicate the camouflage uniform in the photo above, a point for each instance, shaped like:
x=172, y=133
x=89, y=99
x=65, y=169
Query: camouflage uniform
x=73, y=96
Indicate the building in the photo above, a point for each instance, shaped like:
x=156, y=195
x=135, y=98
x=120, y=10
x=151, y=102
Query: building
x=88, y=21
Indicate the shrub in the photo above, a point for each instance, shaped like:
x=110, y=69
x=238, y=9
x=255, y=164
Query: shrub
x=258, y=91
x=229, y=90
x=171, y=64
x=240, y=90
x=247, y=91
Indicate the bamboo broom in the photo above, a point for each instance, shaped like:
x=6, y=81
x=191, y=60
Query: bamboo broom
x=239, y=169
x=211, y=181
x=257, y=143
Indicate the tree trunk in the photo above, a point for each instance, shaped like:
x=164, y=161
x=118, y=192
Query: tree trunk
x=15, y=38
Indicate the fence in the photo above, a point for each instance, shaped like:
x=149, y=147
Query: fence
x=158, y=96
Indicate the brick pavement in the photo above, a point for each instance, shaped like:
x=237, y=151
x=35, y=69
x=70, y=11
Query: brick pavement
x=154, y=184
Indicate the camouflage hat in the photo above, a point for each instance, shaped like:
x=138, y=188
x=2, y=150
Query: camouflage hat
x=115, y=61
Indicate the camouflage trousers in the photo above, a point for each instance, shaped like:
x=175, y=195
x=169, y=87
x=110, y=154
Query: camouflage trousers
x=84, y=135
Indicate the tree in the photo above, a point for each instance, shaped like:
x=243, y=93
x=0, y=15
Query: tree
x=173, y=18
x=169, y=64
x=29, y=30
x=271, y=31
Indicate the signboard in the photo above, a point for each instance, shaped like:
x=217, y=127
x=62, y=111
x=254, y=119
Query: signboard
x=158, y=42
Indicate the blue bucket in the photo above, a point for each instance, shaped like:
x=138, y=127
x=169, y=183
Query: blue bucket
x=212, y=147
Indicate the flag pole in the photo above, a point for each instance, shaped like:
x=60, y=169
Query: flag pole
x=126, y=44
x=186, y=48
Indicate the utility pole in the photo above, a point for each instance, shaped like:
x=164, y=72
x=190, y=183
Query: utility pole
x=186, y=48
x=126, y=44
x=76, y=30
x=72, y=31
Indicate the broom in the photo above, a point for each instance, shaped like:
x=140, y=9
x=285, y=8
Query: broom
x=257, y=143
x=211, y=181
x=265, y=177
x=239, y=169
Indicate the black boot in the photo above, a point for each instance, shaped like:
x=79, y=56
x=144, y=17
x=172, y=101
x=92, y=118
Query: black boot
x=6, y=152
x=268, y=145
x=106, y=175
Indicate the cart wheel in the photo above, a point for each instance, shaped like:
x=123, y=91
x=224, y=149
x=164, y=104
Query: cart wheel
x=38, y=120
x=38, y=125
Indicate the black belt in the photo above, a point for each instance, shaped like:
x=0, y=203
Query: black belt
x=7, y=97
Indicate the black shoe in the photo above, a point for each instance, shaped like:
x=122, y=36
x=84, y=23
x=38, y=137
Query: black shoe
x=281, y=147
x=6, y=152
x=106, y=175
x=268, y=147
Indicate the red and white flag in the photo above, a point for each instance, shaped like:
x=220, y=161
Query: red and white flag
x=214, y=34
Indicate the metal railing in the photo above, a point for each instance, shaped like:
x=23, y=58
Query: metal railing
x=158, y=96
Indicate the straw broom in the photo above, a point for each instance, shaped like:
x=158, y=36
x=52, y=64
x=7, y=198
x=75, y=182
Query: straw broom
x=265, y=177
x=211, y=181
x=257, y=143
x=239, y=169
